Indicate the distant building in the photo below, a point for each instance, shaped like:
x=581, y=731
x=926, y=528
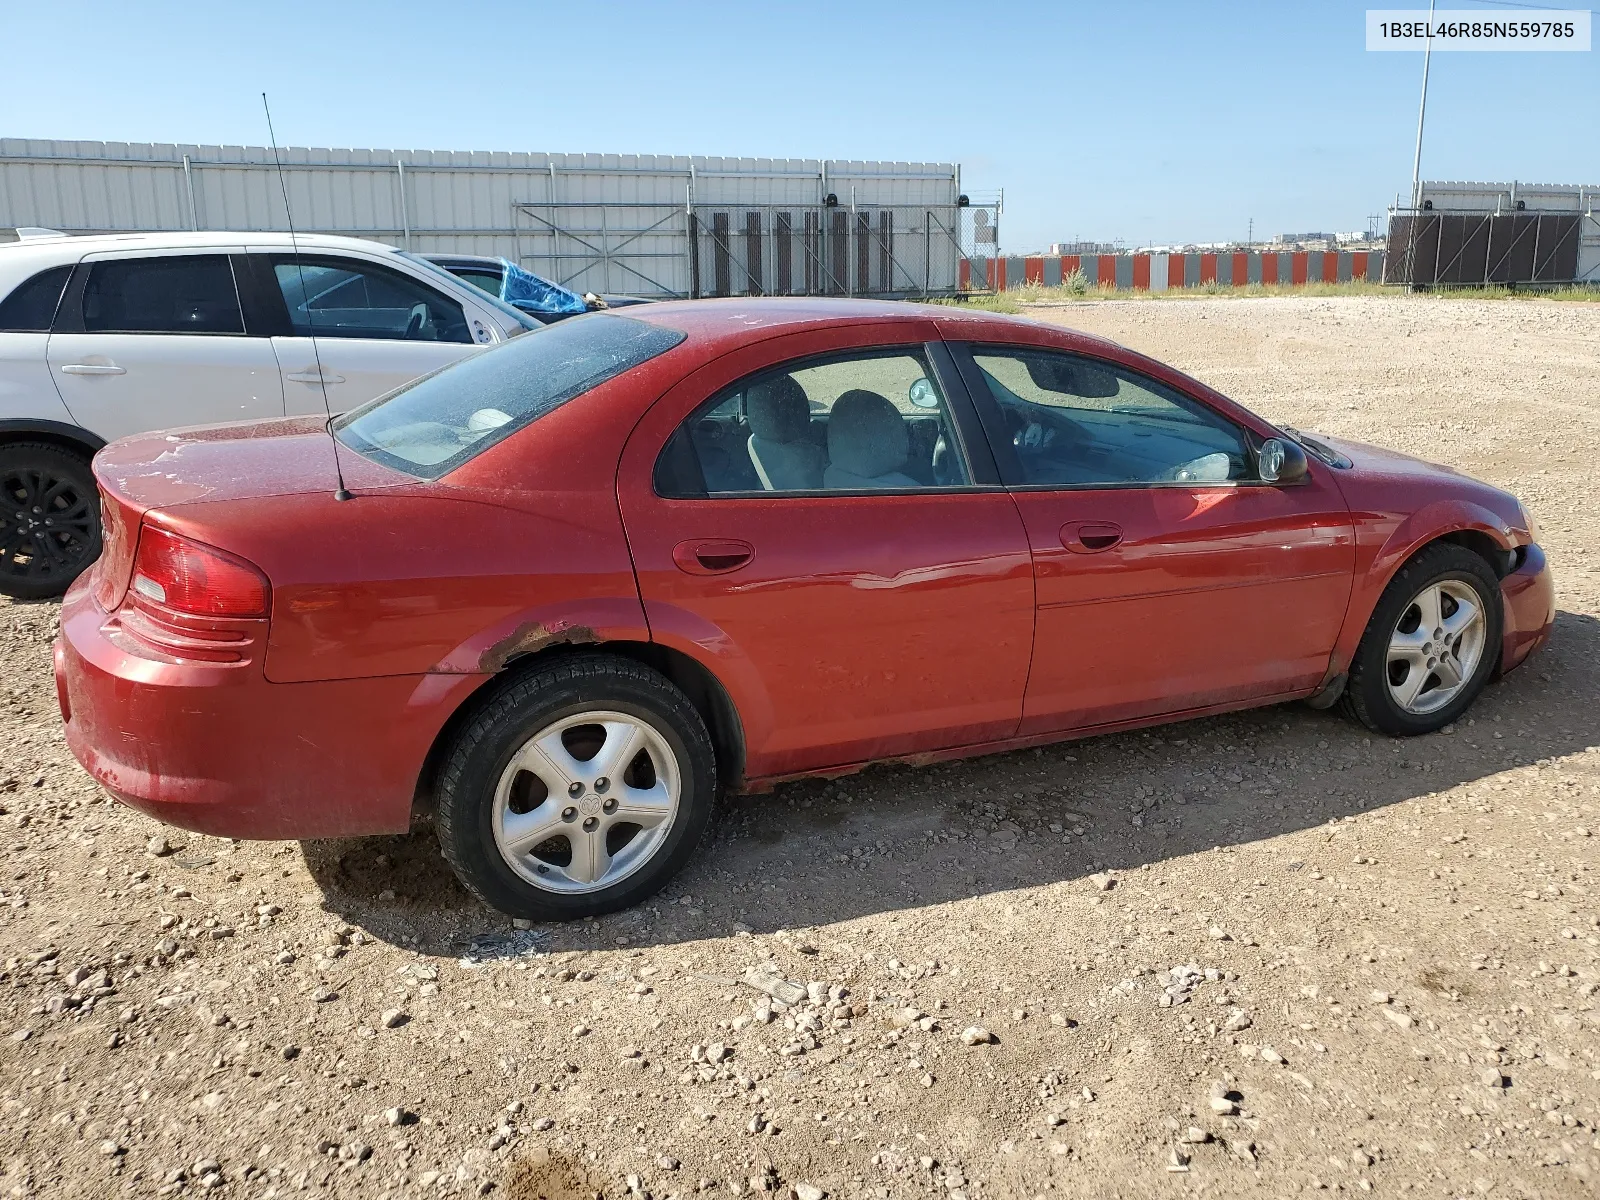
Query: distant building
x=1191, y=248
x=1088, y=248
x=1301, y=238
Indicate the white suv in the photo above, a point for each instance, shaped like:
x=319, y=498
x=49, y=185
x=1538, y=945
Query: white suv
x=105, y=336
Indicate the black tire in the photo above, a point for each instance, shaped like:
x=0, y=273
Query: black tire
x=1367, y=696
x=521, y=708
x=49, y=519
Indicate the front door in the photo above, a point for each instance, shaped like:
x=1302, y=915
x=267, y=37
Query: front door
x=156, y=340
x=376, y=328
x=817, y=535
x=1168, y=577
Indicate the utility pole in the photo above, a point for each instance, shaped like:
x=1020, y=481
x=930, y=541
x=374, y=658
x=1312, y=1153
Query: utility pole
x=1422, y=112
x=1250, y=238
x=1416, y=162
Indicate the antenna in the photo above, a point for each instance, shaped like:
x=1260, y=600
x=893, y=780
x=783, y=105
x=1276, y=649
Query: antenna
x=342, y=492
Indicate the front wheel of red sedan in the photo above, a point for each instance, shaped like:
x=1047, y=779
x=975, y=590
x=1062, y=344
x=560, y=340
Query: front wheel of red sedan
x=1430, y=646
x=580, y=788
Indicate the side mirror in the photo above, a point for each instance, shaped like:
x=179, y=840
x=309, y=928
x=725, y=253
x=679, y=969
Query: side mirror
x=1280, y=461
x=922, y=394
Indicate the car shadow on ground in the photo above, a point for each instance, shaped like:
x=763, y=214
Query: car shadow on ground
x=815, y=853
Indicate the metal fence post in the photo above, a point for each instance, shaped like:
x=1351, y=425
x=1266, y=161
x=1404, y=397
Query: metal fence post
x=555, y=232
x=850, y=230
x=405, y=212
x=691, y=240
x=188, y=183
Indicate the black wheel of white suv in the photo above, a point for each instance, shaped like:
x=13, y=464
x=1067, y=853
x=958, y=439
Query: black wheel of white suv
x=579, y=788
x=49, y=519
x=1430, y=646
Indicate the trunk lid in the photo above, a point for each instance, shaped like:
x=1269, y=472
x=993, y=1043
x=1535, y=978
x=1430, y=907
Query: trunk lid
x=244, y=460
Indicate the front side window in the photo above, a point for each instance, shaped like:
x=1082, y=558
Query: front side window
x=516, y=316
x=438, y=422
x=871, y=421
x=1081, y=422
x=348, y=298
x=188, y=293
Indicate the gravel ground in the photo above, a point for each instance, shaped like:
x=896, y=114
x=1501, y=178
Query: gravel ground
x=1263, y=953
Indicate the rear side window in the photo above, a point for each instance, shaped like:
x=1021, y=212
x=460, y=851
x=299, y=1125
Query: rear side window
x=435, y=424
x=189, y=293
x=31, y=307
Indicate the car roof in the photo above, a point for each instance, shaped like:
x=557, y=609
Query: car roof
x=721, y=325
x=23, y=259
x=92, y=243
x=479, y=260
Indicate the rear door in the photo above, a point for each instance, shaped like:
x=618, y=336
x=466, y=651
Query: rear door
x=867, y=591
x=27, y=311
x=376, y=327
x=156, y=339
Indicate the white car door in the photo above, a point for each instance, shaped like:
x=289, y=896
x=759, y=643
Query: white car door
x=156, y=339
x=376, y=328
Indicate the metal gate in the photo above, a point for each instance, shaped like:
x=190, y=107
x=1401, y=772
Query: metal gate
x=1428, y=249
x=889, y=251
x=598, y=246
x=820, y=250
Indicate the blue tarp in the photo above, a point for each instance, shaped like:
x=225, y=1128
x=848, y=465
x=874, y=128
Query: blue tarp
x=526, y=290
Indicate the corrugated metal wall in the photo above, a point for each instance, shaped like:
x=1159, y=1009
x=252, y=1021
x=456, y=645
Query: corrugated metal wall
x=596, y=222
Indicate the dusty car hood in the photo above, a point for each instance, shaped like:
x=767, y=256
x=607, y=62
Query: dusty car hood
x=1386, y=481
x=1365, y=457
x=245, y=459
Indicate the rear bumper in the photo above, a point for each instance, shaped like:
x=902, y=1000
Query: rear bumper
x=218, y=749
x=1529, y=593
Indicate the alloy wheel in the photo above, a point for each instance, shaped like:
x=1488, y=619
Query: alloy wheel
x=586, y=801
x=1435, y=647
x=47, y=524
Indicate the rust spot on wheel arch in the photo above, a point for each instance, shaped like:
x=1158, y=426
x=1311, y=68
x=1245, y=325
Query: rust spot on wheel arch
x=530, y=638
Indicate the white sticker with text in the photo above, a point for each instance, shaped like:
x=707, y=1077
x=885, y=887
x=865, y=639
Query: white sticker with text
x=1559, y=29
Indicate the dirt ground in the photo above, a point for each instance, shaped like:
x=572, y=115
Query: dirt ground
x=1394, y=943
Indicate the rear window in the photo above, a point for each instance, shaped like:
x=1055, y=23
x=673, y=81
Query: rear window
x=433, y=425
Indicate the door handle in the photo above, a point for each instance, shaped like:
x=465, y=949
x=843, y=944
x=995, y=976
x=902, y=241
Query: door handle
x=708, y=557
x=313, y=377
x=93, y=369
x=1090, y=537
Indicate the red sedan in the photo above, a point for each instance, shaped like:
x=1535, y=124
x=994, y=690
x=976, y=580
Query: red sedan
x=587, y=579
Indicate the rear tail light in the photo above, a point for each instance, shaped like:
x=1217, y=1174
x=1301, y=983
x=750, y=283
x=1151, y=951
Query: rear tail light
x=200, y=580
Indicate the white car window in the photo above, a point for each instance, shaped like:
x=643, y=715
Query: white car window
x=31, y=307
x=187, y=293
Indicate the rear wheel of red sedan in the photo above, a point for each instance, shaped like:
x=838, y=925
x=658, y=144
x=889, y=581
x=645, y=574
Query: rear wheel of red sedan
x=580, y=788
x=1430, y=646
